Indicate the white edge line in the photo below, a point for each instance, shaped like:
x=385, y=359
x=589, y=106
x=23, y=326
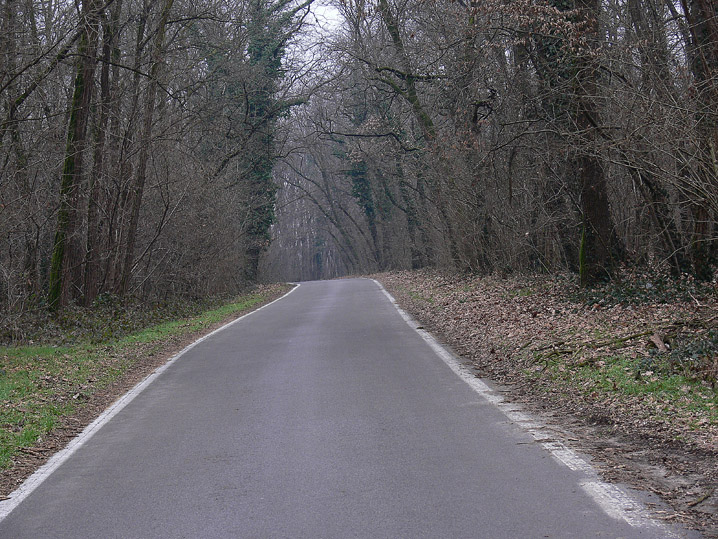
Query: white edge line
x=613, y=500
x=42, y=473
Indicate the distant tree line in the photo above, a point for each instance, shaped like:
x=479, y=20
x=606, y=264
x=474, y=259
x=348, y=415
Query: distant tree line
x=508, y=135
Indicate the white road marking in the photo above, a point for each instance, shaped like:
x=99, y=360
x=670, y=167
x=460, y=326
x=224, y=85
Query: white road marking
x=42, y=473
x=613, y=500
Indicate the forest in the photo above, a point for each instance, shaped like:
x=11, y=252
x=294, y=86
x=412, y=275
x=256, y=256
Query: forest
x=158, y=149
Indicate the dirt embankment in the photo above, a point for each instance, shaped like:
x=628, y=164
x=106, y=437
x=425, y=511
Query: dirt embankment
x=631, y=382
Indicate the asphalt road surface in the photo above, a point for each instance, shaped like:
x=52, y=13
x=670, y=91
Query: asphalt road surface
x=324, y=415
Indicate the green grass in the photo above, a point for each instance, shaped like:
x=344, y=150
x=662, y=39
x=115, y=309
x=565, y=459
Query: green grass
x=624, y=376
x=419, y=297
x=521, y=292
x=39, y=384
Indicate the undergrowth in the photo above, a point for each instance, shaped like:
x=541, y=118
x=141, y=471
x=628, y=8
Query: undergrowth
x=108, y=318
x=691, y=351
x=621, y=376
x=635, y=287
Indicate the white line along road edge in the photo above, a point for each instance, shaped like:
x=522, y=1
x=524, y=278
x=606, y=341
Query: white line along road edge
x=614, y=501
x=42, y=473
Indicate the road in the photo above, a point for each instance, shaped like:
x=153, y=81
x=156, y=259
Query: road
x=324, y=415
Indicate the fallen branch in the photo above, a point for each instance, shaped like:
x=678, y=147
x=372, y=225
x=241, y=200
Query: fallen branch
x=588, y=345
x=701, y=498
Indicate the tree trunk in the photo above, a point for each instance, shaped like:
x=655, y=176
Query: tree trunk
x=145, y=141
x=95, y=226
x=409, y=91
x=119, y=216
x=656, y=79
x=702, y=18
x=598, y=241
x=66, y=263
